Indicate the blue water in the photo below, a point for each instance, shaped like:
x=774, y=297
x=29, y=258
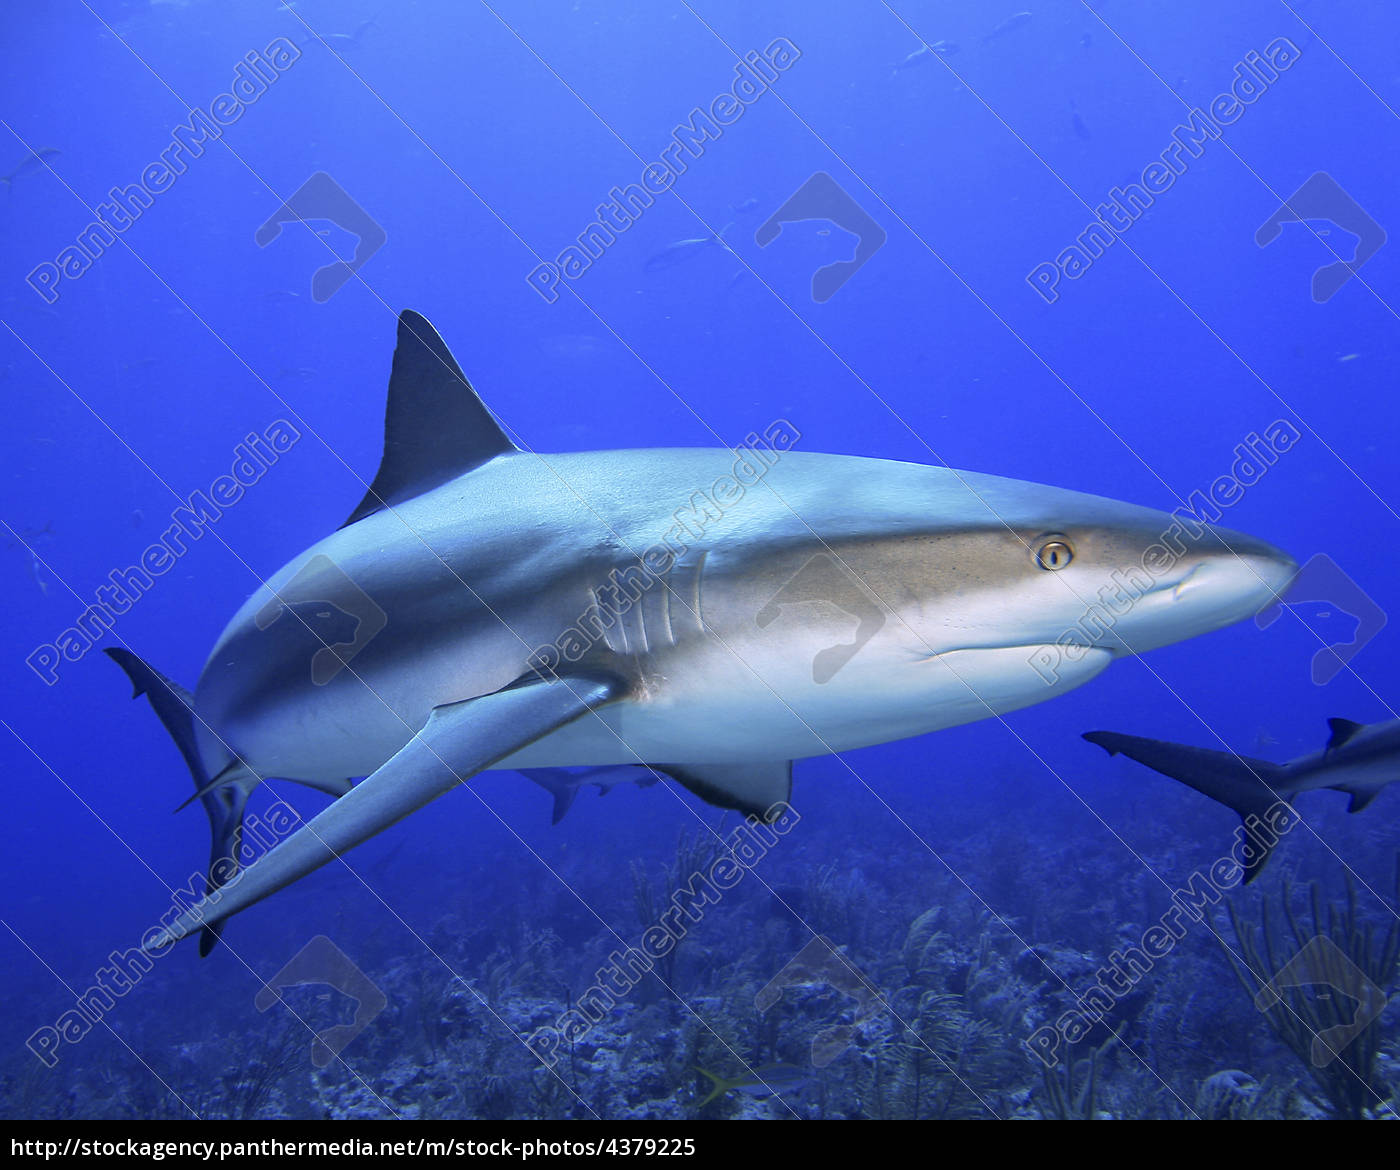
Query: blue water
x=481, y=139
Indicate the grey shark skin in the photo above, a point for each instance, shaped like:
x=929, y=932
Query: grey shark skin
x=1359, y=759
x=475, y=554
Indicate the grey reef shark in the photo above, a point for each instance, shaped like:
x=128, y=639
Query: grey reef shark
x=1359, y=759
x=713, y=614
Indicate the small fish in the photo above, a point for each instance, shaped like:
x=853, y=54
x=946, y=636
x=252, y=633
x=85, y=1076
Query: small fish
x=942, y=48
x=348, y=40
x=564, y=785
x=31, y=536
x=32, y=163
x=748, y=205
x=34, y=571
x=768, y=1080
x=1014, y=21
x=683, y=250
x=1348, y=357
x=1081, y=128
x=296, y=372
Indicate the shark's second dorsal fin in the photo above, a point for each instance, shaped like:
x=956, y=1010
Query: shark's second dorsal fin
x=1342, y=731
x=435, y=426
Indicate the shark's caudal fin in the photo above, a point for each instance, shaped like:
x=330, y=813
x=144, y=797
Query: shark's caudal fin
x=1250, y=787
x=435, y=426
x=223, y=794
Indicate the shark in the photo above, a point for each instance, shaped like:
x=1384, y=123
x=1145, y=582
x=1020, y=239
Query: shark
x=564, y=786
x=486, y=607
x=1358, y=759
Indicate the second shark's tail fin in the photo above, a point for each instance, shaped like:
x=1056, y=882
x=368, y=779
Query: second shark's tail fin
x=563, y=793
x=1250, y=787
x=223, y=794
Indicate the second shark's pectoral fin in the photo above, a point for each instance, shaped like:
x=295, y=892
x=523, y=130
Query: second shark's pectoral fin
x=1250, y=787
x=755, y=789
x=458, y=741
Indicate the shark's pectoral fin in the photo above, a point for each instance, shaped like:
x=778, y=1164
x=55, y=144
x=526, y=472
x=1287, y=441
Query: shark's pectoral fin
x=1250, y=787
x=756, y=789
x=563, y=792
x=458, y=741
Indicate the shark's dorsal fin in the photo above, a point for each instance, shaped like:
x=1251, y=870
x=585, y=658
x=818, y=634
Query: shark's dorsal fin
x=435, y=426
x=1342, y=731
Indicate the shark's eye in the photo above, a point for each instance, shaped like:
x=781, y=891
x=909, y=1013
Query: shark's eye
x=1054, y=554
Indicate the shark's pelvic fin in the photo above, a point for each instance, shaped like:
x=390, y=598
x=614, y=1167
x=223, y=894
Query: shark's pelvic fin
x=435, y=426
x=753, y=789
x=458, y=741
x=1250, y=787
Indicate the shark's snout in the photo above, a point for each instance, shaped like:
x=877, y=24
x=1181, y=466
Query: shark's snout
x=1235, y=565
x=1224, y=578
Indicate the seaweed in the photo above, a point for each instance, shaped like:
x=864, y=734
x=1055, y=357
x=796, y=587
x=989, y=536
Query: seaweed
x=1353, y=961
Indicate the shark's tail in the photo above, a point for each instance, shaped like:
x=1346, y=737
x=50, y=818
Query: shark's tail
x=1250, y=787
x=223, y=794
x=564, y=794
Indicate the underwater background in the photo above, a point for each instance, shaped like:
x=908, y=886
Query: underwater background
x=977, y=879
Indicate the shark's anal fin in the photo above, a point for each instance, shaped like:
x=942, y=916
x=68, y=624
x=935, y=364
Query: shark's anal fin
x=1343, y=730
x=435, y=426
x=1250, y=787
x=755, y=789
x=458, y=741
